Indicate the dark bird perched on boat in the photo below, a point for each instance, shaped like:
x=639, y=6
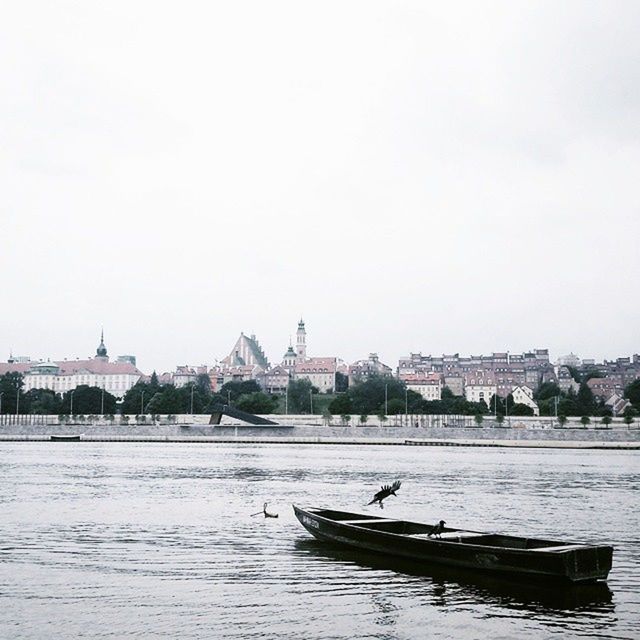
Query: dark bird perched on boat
x=438, y=529
x=385, y=492
x=265, y=512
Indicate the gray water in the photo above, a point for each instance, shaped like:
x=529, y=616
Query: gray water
x=157, y=541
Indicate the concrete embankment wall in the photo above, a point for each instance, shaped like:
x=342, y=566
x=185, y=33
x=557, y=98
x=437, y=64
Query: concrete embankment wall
x=480, y=436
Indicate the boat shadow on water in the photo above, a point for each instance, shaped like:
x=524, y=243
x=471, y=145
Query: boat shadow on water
x=444, y=582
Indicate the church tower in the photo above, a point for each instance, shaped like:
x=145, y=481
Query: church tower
x=301, y=342
x=101, y=352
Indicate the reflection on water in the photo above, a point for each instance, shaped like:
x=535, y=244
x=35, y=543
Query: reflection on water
x=454, y=583
x=111, y=540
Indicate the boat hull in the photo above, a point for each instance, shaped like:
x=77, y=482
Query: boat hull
x=473, y=550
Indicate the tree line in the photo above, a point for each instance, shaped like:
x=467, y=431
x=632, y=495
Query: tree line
x=376, y=395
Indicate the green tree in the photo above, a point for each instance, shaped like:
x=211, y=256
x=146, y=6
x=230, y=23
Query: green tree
x=299, y=393
x=87, y=401
x=562, y=419
x=632, y=393
x=363, y=419
x=167, y=400
x=520, y=409
x=258, y=402
x=606, y=421
x=231, y=391
x=395, y=407
x=585, y=420
x=478, y=418
x=42, y=401
x=140, y=394
x=629, y=414
x=342, y=382
x=546, y=391
x=586, y=404
x=341, y=405
x=369, y=395
x=500, y=419
x=11, y=384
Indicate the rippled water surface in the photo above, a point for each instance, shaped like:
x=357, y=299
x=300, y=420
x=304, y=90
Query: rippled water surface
x=157, y=541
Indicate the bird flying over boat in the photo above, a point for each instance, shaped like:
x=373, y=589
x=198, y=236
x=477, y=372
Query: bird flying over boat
x=385, y=492
x=437, y=530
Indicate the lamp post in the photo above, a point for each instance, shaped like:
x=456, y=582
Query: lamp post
x=71, y=400
x=192, y=387
x=17, y=398
x=102, y=401
x=406, y=401
x=229, y=397
x=286, y=401
x=311, y=400
x=142, y=403
x=1, y=402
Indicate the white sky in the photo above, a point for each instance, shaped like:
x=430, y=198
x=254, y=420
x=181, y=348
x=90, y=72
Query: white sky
x=407, y=176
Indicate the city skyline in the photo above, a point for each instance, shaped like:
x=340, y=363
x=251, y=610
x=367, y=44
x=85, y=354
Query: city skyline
x=276, y=358
x=442, y=177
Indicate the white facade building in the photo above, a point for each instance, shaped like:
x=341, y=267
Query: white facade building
x=524, y=395
x=478, y=392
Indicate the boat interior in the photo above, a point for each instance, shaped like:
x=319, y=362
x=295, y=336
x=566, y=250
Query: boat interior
x=422, y=531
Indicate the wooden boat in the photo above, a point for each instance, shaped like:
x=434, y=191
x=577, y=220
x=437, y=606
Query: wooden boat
x=490, y=552
x=65, y=438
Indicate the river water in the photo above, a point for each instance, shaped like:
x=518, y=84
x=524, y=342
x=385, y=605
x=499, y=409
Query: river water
x=122, y=540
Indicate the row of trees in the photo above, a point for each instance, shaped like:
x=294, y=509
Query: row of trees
x=389, y=396
x=375, y=395
x=554, y=402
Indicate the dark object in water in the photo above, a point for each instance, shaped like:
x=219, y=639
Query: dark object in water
x=487, y=552
x=64, y=438
x=265, y=512
x=385, y=492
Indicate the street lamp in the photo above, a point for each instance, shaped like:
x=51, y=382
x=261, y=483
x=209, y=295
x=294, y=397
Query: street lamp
x=71, y=408
x=17, y=398
x=192, y=387
x=229, y=397
x=311, y=400
x=142, y=403
x=102, y=401
x=385, y=399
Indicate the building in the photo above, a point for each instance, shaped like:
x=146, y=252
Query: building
x=246, y=352
x=506, y=371
x=362, y=369
x=604, y=388
x=566, y=381
x=321, y=372
x=482, y=392
x=65, y=375
x=185, y=375
x=276, y=380
x=428, y=385
x=570, y=360
x=524, y=395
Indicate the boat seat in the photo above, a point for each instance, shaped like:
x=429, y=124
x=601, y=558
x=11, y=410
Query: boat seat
x=365, y=521
x=563, y=547
x=449, y=535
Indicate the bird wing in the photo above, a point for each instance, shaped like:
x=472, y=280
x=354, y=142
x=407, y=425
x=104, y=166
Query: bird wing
x=396, y=485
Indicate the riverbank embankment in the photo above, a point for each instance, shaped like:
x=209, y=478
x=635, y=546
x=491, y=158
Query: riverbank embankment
x=483, y=436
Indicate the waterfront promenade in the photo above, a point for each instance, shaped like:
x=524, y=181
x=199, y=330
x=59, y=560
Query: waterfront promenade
x=540, y=433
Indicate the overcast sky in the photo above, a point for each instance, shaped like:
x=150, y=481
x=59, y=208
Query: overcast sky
x=407, y=176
